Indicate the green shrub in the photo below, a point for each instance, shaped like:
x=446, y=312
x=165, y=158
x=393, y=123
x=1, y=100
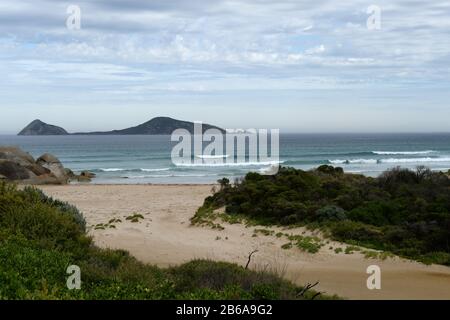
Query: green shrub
x=36, y=195
x=40, y=237
x=221, y=276
x=27, y=272
x=331, y=213
x=403, y=211
x=25, y=213
x=330, y=170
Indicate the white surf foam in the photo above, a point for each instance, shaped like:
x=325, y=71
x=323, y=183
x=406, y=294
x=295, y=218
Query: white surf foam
x=229, y=164
x=389, y=160
x=354, y=161
x=219, y=156
x=142, y=169
x=403, y=152
x=168, y=176
x=414, y=160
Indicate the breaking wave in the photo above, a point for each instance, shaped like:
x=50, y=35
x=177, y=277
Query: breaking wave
x=130, y=170
x=230, y=164
x=389, y=160
x=168, y=176
x=219, y=156
x=403, y=152
x=354, y=161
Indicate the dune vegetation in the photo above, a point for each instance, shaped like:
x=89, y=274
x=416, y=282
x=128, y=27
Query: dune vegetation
x=402, y=211
x=41, y=237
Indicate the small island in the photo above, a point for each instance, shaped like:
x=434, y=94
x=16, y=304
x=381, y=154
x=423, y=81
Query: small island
x=39, y=128
x=155, y=126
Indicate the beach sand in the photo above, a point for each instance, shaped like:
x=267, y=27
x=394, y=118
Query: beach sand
x=165, y=237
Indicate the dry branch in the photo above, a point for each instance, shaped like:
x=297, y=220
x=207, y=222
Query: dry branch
x=250, y=258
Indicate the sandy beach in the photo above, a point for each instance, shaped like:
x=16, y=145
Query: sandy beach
x=165, y=237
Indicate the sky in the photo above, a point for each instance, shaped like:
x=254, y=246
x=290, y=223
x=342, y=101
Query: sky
x=297, y=66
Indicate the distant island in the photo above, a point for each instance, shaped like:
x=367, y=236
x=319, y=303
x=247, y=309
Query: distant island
x=156, y=126
x=39, y=128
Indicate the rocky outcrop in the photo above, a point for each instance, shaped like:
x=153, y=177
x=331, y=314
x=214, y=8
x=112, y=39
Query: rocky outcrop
x=51, y=163
x=39, y=128
x=84, y=176
x=16, y=155
x=19, y=166
x=14, y=171
x=38, y=169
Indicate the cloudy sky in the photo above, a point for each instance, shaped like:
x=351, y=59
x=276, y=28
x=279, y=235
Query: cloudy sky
x=301, y=66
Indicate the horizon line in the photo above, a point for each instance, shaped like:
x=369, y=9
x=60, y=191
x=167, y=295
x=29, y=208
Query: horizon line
x=86, y=133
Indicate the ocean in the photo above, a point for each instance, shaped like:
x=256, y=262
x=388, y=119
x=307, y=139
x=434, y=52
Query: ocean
x=147, y=159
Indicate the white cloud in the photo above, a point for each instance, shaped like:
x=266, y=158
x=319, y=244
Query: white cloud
x=137, y=49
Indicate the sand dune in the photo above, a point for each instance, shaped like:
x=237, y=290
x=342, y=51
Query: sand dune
x=165, y=237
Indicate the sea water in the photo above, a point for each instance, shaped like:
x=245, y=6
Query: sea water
x=147, y=159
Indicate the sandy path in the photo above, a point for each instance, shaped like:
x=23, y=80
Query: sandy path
x=165, y=237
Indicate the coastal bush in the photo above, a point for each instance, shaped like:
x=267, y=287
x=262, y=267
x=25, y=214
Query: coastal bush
x=330, y=170
x=27, y=272
x=36, y=195
x=41, y=222
x=404, y=211
x=331, y=213
x=40, y=237
x=232, y=281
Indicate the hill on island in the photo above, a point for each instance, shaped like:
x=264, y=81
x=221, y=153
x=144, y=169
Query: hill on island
x=39, y=128
x=156, y=126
